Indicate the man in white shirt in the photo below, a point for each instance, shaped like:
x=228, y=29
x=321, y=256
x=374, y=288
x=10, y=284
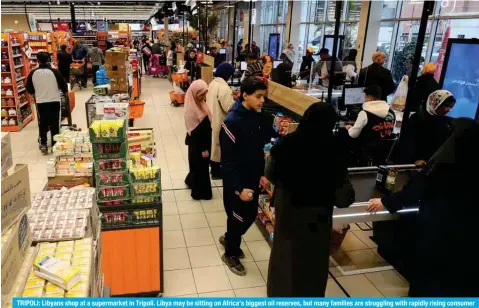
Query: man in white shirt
x=46, y=83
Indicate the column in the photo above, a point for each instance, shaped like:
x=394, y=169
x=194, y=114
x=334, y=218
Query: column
x=287, y=28
x=368, y=31
x=257, y=23
x=294, y=30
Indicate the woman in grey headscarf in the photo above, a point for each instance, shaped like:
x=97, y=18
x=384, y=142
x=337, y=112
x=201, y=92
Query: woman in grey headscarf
x=288, y=55
x=446, y=191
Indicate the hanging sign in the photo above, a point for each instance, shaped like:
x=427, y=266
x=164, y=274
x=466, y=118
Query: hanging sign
x=102, y=26
x=62, y=26
x=81, y=27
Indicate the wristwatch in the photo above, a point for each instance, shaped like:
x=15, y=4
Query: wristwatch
x=250, y=194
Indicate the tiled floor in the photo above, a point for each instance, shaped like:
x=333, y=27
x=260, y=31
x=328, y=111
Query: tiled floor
x=191, y=253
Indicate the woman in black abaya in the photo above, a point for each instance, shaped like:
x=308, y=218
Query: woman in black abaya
x=198, y=140
x=311, y=177
x=446, y=192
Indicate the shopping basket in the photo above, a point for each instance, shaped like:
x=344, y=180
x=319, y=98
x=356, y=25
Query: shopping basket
x=180, y=77
x=76, y=73
x=136, y=109
x=177, y=98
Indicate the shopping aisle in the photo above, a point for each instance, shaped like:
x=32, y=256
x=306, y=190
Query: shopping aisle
x=191, y=228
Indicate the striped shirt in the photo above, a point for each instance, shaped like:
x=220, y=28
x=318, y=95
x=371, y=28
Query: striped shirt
x=254, y=69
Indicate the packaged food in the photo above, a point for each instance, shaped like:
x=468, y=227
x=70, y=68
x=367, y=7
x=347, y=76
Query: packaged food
x=113, y=192
x=115, y=164
x=57, y=272
x=34, y=292
x=146, y=189
x=149, y=174
x=112, y=178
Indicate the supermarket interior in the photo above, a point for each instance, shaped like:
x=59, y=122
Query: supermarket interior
x=106, y=204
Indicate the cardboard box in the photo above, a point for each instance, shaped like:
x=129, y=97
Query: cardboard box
x=13, y=253
x=68, y=181
x=7, y=158
x=15, y=195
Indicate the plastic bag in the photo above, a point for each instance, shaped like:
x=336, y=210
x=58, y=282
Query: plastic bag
x=399, y=99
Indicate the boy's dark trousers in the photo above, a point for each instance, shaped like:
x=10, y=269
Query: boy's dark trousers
x=94, y=69
x=85, y=75
x=241, y=216
x=49, y=118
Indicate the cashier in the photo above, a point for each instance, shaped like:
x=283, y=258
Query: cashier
x=446, y=192
x=376, y=120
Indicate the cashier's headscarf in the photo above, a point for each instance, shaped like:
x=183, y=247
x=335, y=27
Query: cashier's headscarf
x=225, y=71
x=436, y=99
x=195, y=110
x=309, y=160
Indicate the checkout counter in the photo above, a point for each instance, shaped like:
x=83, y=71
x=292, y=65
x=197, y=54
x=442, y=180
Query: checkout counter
x=394, y=234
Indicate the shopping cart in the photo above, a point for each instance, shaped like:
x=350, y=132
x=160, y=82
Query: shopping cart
x=76, y=73
x=181, y=84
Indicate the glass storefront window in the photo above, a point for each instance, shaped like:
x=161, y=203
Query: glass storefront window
x=405, y=48
x=350, y=37
x=459, y=7
x=353, y=10
x=312, y=11
x=332, y=9
x=389, y=9
x=385, y=37
x=411, y=8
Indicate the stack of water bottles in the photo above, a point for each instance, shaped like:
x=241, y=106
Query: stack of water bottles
x=101, y=77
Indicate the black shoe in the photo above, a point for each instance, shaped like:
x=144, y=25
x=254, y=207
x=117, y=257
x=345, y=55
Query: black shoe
x=223, y=242
x=44, y=149
x=213, y=177
x=234, y=265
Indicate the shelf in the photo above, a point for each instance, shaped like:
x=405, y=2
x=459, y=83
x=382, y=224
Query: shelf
x=21, y=78
x=6, y=72
x=27, y=119
x=7, y=97
x=21, y=90
x=18, y=66
x=16, y=56
x=7, y=84
x=15, y=45
x=10, y=128
x=23, y=104
x=10, y=116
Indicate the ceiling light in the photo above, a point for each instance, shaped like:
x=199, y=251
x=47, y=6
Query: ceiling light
x=98, y=2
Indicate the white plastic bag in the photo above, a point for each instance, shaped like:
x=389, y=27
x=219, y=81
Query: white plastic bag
x=399, y=99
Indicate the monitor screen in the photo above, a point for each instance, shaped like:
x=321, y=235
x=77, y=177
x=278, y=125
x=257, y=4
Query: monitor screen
x=354, y=96
x=276, y=63
x=243, y=65
x=197, y=45
x=328, y=43
x=462, y=78
x=222, y=51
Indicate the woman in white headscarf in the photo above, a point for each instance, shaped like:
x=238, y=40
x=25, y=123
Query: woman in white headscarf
x=288, y=55
x=198, y=140
x=427, y=130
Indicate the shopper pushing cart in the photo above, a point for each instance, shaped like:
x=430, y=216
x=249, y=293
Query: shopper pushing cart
x=46, y=83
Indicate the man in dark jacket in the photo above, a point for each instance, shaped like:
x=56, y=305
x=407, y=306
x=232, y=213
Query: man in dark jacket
x=376, y=75
x=47, y=83
x=242, y=161
x=80, y=53
x=64, y=61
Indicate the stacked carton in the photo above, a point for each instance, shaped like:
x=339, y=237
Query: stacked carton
x=7, y=158
x=16, y=236
x=117, y=70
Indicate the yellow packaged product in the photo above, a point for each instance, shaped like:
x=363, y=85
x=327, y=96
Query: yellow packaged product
x=47, y=246
x=46, y=252
x=60, y=273
x=84, y=241
x=35, y=292
x=77, y=294
x=81, y=261
x=59, y=294
x=52, y=289
x=64, y=256
x=85, y=277
x=35, y=283
x=81, y=286
x=81, y=254
x=66, y=244
x=82, y=247
x=95, y=126
x=65, y=249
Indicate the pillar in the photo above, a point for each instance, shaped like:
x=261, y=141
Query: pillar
x=294, y=33
x=368, y=31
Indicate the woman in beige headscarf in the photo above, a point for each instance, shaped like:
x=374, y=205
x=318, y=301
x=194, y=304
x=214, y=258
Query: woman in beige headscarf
x=198, y=140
